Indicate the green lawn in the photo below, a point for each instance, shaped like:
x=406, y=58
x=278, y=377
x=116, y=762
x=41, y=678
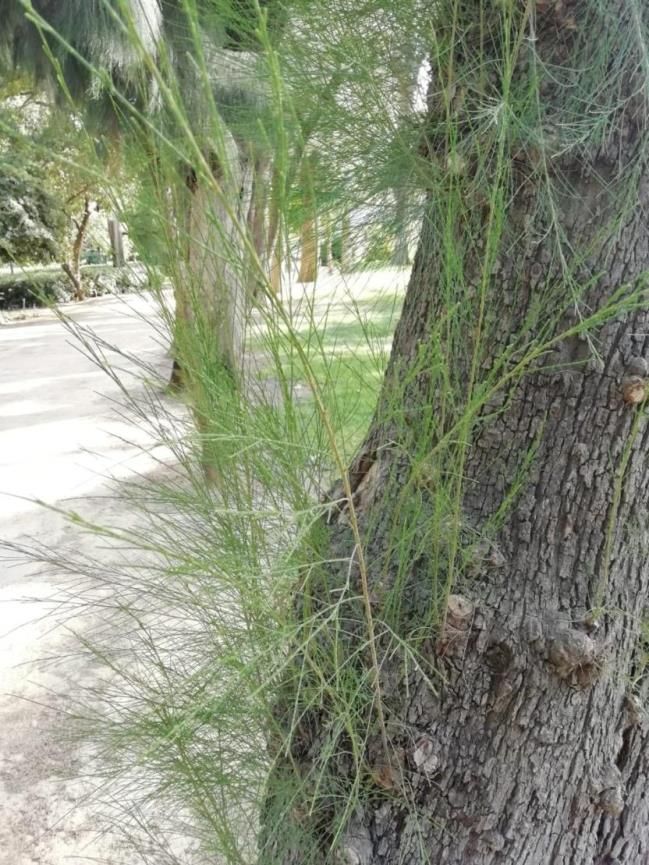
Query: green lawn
x=348, y=349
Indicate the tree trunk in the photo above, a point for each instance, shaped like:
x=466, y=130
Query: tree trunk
x=308, y=229
x=274, y=242
x=116, y=242
x=480, y=696
x=73, y=267
x=213, y=299
x=215, y=289
x=257, y=217
x=308, y=251
x=276, y=272
x=328, y=249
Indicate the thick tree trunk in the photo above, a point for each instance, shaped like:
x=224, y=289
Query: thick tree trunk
x=535, y=749
x=498, y=525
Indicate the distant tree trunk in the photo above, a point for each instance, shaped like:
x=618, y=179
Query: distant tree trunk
x=308, y=271
x=276, y=272
x=326, y=250
x=213, y=300
x=308, y=251
x=73, y=267
x=346, y=252
x=257, y=218
x=209, y=290
x=222, y=278
x=216, y=284
x=516, y=732
x=116, y=241
x=274, y=238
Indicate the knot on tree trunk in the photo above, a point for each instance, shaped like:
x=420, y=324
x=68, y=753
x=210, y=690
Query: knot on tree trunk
x=573, y=654
x=424, y=757
x=634, y=389
x=484, y=556
x=456, y=625
x=634, y=710
x=609, y=791
x=356, y=847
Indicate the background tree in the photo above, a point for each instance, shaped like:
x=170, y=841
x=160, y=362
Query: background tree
x=32, y=222
x=73, y=267
x=348, y=117
x=73, y=169
x=55, y=147
x=195, y=65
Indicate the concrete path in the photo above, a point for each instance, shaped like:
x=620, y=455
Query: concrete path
x=61, y=438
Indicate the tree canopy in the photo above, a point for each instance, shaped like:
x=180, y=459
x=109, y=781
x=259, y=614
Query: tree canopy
x=32, y=221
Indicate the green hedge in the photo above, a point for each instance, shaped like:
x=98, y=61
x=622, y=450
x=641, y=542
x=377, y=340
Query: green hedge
x=44, y=287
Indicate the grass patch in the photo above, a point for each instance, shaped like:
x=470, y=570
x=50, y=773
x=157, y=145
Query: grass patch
x=348, y=348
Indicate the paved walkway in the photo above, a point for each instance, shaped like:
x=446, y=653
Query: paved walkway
x=61, y=438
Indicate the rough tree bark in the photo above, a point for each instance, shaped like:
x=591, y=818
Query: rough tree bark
x=534, y=749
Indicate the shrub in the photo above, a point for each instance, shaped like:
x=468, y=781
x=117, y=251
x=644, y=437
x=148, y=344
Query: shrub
x=44, y=287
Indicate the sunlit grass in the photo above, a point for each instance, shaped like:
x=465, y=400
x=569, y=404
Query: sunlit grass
x=348, y=353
